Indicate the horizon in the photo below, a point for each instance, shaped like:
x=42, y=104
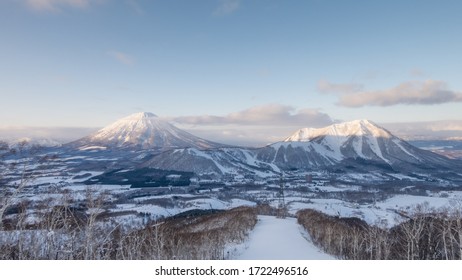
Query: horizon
x=63, y=135
x=232, y=71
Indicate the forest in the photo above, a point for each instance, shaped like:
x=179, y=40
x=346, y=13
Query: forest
x=425, y=234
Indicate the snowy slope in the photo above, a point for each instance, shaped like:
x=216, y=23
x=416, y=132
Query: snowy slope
x=362, y=134
x=349, y=143
x=346, y=129
x=146, y=131
x=222, y=161
x=280, y=239
x=360, y=146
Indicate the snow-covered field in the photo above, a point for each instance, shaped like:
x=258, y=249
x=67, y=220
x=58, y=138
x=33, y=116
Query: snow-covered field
x=328, y=193
x=200, y=203
x=380, y=212
x=99, y=188
x=278, y=239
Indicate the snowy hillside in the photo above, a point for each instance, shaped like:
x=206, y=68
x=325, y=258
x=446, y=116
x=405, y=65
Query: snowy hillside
x=360, y=145
x=348, y=143
x=346, y=129
x=223, y=161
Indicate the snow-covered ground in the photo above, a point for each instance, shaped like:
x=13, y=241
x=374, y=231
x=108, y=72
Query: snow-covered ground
x=278, y=239
x=380, y=212
x=193, y=204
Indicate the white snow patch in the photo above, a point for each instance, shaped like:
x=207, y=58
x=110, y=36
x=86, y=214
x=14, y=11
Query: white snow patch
x=398, y=143
x=92, y=148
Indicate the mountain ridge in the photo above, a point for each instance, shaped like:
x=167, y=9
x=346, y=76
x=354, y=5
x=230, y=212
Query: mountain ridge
x=356, y=127
x=358, y=144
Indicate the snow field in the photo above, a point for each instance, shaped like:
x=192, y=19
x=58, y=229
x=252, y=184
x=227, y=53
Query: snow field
x=279, y=239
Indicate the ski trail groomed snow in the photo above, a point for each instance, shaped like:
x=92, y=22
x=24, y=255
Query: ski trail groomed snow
x=280, y=239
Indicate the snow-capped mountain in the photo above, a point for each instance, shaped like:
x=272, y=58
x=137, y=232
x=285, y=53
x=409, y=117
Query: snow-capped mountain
x=143, y=131
x=357, y=144
x=347, y=129
x=360, y=145
x=349, y=143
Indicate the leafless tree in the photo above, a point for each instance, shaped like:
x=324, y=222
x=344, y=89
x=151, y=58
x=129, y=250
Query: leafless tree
x=10, y=191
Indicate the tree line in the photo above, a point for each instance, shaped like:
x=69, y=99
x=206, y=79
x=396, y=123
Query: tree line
x=426, y=234
x=67, y=233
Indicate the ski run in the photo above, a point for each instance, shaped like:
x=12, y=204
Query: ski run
x=279, y=239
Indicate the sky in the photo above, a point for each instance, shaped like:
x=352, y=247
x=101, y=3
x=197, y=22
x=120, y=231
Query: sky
x=243, y=71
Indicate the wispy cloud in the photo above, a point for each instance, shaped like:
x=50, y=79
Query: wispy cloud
x=255, y=137
x=226, y=7
x=122, y=57
x=328, y=87
x=265, y=115
x=57, y=5
x=60, y=134
x=255, y=126
x=408, y=93
x=433, y=130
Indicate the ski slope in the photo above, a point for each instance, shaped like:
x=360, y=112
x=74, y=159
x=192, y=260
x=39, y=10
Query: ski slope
x=280, y=239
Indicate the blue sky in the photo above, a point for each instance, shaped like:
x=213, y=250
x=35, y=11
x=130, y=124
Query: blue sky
x=238, y=67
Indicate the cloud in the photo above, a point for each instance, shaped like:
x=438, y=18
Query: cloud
x=432, y=130
x=122, y=57
x=265, y=115
x=328, y=87
x=59, y=134
x=409, y=93
x=226, y=7
x=255, y=126
x=255, y=137
x=57, y=5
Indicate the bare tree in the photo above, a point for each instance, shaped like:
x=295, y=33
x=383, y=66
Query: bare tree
x=456, y=227
x=18, y=166
x=95, y=206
